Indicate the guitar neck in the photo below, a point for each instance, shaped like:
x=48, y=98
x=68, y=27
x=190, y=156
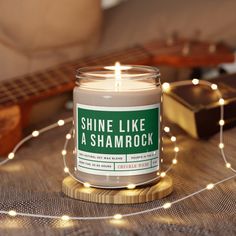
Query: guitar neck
x=53, y=81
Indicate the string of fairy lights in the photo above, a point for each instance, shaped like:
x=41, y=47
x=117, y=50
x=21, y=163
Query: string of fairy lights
x=166, y=87
x=131, y=185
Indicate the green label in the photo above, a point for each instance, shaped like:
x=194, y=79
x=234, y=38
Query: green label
x=118, y=140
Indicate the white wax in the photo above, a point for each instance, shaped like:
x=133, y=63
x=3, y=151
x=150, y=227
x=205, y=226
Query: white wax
x=122, y=85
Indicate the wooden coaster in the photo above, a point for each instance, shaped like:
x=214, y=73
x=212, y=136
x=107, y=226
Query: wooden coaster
x=76, y=190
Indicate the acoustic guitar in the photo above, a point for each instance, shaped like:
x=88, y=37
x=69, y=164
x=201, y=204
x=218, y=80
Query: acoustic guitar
x=18, y=95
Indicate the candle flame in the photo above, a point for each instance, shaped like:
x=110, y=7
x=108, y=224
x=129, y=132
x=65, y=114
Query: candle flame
x=122, y=67
x=117, y=71
x=117, y=68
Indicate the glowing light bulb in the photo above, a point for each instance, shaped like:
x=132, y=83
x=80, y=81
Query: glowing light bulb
x=65, y=217
x=131, y=186
x=173, y=138
x=214, y=87
x=12, y=213
x=221, y=122
x=63, y=152
x=195, y=81
x=221, y=101
x=35, y=133
x=117, y=216
x=210, y=186
x=11, y=155
x=66, y=170
x=68, y=136
x=167, y=205
x=163, y=174
x=228, y=165
x=165, y=87
x=61, y=122
x=174, y=161
x=221, y=145
x=176, y=149
x=87, y=185
x=167, y=129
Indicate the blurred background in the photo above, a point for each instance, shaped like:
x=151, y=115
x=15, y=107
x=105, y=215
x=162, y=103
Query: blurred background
x=38, y=34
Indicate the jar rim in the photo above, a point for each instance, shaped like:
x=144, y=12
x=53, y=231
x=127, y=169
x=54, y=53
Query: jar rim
x=136, y=72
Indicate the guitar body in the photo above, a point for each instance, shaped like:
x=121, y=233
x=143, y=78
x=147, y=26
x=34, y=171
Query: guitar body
x=10, y=128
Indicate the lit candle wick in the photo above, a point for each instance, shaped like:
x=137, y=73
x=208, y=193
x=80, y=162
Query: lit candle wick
x=117, y=75
x=117, y=71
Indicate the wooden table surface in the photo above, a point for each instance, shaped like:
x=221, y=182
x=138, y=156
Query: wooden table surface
x=32, y=183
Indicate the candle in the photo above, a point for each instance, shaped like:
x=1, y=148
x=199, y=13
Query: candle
x=117, y=125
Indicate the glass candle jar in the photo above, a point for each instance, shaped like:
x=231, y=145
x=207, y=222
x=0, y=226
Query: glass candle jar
x=117, y=117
